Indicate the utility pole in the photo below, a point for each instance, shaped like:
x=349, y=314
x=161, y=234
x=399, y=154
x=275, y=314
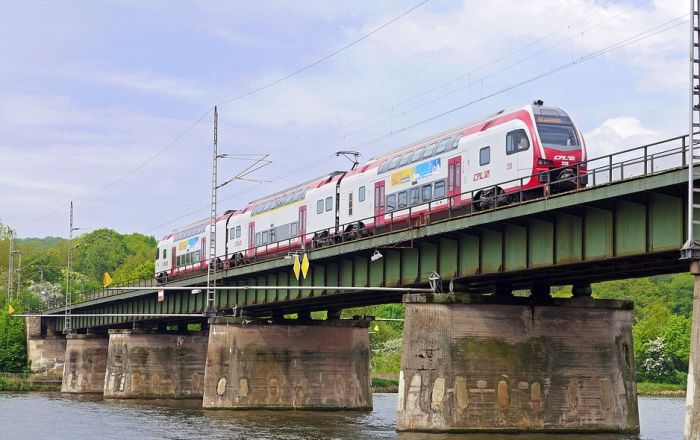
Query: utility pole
x=10, y=264
x=211, y=266
x=67, y=312
x=19, y=273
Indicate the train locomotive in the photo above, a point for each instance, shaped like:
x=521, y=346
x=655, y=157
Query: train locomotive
x=506, y=157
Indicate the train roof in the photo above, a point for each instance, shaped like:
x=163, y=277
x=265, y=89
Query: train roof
x=537, y=109
x=307, y=184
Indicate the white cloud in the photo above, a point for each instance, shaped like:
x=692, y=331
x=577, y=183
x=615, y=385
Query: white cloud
x=617, y=134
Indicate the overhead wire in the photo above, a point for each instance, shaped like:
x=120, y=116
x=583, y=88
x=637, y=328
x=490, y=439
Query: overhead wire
x=403, y=113
x=322, y=59
x=623, y=43
x=227, y=101
x=637, y=37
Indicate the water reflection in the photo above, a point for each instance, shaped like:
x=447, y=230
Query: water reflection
x=56, y=416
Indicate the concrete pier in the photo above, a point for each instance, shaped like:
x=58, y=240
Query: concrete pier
x=144, y=365
x=500, y=364
x=45, y=350
x=85, y=364
x=288, y=365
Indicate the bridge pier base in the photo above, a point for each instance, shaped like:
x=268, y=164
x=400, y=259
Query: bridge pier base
x=143, y=364
x=287, y=365
x=45, y=350
x=85, y=364
x=499, y=364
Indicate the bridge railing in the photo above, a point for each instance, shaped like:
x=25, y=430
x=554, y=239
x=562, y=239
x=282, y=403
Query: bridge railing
x=631, y=163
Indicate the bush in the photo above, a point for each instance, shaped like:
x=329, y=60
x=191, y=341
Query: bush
x=657, y=364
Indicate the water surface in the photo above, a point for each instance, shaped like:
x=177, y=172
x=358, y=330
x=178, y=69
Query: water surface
x=57, y=417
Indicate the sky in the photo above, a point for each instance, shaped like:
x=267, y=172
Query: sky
x=108, y=104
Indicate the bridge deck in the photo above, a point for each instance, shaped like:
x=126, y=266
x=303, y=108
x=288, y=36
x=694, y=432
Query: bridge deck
x=627, y=228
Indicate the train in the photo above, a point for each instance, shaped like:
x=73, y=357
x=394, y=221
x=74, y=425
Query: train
x=509, y=156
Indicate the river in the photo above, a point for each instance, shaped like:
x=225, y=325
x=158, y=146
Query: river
x=56, y=417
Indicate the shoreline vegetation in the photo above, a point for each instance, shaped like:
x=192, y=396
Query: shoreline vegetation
x=22, y=383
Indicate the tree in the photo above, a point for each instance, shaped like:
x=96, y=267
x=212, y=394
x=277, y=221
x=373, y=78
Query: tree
x=13, y=350
x=98, y=252
x=657, y=364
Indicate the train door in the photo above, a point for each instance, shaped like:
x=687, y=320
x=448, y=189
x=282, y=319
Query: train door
x=203, y=253
x=454, y=179
x=379, y=203
x=302, y=223
x=173, y=264
x=251, y=239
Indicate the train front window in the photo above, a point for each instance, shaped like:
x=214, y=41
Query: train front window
x=559, y=136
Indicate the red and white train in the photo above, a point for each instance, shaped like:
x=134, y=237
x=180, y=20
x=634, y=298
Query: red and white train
x=492, y=162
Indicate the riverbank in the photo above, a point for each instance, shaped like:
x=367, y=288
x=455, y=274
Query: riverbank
x=27, y=383
x=660, y=389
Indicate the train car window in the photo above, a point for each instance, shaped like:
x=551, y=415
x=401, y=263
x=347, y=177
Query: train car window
x=455, y=142
x=429, y=150
x=273, y=235
x=405, y=158
x=403, y=199
x=439, y=189
x=238, y=232
x=361, y=194
x=417, y=154
x=516, y=141
x=293, y=230
x=394, y=162
x=415, y=196
x=442, y=146
x=383, y=166
x=427, y=192
x=485, y=156
x=350, y=203
x=197, y=256
x=257, y=238
x=264, y=237
x=329, y=203
x=390, y=203
x=165, y=254
x=179, y=260
x=319, y=207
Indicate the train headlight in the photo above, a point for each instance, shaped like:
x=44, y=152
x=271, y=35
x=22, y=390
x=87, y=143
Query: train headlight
x=545, y=162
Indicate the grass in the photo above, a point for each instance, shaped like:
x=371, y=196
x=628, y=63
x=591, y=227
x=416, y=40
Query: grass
x=658, y=388
x=23, y=384
x=384, y=385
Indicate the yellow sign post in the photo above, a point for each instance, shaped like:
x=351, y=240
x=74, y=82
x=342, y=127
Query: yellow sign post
x=106, y=279
x=10, y=309
x=297, y=267
x=305, y=265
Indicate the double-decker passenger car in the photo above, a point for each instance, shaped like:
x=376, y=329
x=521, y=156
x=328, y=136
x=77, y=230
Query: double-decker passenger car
x=506, y=157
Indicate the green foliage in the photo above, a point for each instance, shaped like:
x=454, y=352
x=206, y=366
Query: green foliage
x=651, y=387
x=135, y=267
x=13, y=347
x=657, y=365
x=24, y=384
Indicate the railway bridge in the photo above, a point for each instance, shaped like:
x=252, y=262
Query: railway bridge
x=476, y=356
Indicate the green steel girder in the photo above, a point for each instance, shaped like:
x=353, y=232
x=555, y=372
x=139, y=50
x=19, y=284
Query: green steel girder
x=629, y=228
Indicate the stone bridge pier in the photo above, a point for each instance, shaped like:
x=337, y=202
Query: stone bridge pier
x=288, y=364
x=46, y=350
x=486, y=363
x=151, y=364
x=85, y=363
